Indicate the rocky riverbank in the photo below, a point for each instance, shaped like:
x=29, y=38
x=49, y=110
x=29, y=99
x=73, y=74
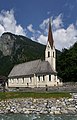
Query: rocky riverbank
x=40, y=106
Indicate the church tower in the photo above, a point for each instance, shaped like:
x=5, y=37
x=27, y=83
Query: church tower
x=50, y=53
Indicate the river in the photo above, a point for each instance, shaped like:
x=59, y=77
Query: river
x=36, y=117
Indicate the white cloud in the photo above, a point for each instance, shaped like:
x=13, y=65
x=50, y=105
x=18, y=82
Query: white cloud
x=36, y=35
x=57, y=22
x=9, y=24
x=44, y=23
x=1, y=29
x=42, y=39
x=63, y=38
x=30, y=28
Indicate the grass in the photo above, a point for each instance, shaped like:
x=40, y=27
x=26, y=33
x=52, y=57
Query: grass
x=11, y=95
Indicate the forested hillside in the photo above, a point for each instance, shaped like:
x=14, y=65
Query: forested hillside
x=67, y=64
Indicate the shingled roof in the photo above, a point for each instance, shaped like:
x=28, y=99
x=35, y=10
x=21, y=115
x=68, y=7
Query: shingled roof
x=30, y=68
x=44, y=68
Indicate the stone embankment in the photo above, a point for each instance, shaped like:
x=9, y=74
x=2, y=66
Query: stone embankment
x=40, y=106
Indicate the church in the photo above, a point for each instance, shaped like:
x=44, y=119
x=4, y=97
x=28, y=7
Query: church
x=37, y=73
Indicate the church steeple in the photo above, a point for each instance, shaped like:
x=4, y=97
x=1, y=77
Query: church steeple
x=50, y=53
x=50, y=36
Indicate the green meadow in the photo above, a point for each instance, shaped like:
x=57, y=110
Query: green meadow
x=11, y=95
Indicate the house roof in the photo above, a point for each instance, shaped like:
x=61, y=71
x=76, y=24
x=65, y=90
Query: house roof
x=30, y=68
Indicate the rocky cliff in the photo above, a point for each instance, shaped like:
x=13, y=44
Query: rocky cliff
x=15, y=49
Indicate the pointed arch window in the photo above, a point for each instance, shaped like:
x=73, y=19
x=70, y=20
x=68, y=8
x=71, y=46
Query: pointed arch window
x=48, y=54
x=43, y=77
x=53, y=54
x=30, y=79
x=49, y=77
x=39, y=78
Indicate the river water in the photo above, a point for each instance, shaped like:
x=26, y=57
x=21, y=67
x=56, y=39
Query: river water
x=36, y=117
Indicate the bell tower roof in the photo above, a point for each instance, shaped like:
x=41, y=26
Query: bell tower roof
x=50, y=36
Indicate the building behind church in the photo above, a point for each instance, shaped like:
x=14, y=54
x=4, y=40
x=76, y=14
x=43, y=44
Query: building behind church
x=37, y=73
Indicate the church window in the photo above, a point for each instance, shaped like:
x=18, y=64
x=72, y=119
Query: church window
x=39, y=78
x=17, y=80
x=48, y=54
x=49, y=77
x=30, y=79
x=53, y=54
x=43, y=77
x=22, y=80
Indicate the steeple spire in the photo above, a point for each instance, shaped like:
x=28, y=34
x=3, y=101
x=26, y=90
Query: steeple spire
x=50, y=53
x=50, y=36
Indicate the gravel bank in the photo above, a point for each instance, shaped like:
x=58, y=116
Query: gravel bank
x=40, y=106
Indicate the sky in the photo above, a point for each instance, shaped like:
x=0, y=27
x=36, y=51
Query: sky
x=30, y=18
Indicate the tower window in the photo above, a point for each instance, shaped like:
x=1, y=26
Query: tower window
x=48, y=54
x=53, y=54
x=49, y=77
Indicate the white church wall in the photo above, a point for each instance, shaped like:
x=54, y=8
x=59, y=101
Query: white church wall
x=20, y=82
x=42, y=82
x=36, y=81
x=51, y=82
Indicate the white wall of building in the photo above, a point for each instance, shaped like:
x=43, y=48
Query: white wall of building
x=36, y=81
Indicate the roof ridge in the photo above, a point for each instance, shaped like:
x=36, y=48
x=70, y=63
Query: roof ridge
x=27, y=62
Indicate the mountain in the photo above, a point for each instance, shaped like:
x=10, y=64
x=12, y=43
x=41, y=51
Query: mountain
x=67, y=64
x=15, y=49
